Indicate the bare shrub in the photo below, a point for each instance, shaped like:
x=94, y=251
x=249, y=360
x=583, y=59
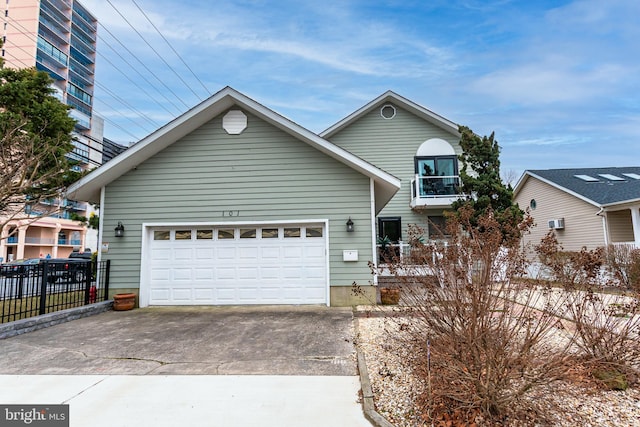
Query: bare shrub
x=623, y=262
x=606, y=323
x=570, y=269
x=483, y=333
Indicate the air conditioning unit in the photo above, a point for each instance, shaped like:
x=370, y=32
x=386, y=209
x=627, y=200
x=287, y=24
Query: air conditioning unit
x=556, y=224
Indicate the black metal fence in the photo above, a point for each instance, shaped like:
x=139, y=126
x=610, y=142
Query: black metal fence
x=45, y=286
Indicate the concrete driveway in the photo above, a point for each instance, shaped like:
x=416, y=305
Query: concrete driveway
x=236, y=366
x=273, y=340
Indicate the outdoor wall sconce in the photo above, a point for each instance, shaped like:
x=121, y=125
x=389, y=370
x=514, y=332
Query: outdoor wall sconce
x=119, y=229
x=349, y=226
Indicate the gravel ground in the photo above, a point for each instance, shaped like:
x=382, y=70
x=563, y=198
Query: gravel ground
x=565, y=404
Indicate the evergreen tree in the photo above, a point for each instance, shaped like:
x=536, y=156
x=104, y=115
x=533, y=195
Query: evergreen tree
x=481, y=182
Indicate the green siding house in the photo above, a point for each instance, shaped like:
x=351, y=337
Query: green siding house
x=232, y=203
x=415, y=145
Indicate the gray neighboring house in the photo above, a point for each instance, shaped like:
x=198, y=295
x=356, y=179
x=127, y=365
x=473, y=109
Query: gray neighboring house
x=414, y=144
x=231, y=203
x=588, y=207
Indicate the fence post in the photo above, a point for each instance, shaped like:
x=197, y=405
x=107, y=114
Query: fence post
x=87, y=270
x=106, y=280
x=43, y=287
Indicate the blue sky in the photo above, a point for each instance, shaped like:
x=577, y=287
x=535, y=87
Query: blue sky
x=558, y=81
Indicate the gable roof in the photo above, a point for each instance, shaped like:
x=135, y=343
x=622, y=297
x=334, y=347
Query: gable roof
x=390, y=96
x=88, y=188
x=601, y=187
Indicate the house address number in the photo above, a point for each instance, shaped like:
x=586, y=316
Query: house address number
x=231, y=213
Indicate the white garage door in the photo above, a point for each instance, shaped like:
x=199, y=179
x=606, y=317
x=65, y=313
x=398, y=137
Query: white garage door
x=280, y=264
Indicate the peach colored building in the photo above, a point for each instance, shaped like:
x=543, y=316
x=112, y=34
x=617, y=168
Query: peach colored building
x=58, y=37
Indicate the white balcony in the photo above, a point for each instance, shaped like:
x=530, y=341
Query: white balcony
x=435, y=191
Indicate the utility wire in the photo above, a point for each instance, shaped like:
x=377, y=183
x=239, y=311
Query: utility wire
x=174, y=51
x=126, y=103
x=146, y=68
x=152, y=48
x=25, y=32
x=140, y=74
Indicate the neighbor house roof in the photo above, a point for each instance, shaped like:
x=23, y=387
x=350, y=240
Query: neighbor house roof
x=88, y=188
x=601, y=187
x=394, y=98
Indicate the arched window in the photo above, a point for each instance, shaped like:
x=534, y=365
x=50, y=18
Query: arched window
x=436, y=166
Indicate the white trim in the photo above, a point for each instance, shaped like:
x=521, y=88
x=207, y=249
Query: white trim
x=390, y=96
x=101, y=223
x=635, y=222
x=86, y=187
x=554, y=185
x=144, y=296
x=327, y=261
x=374, y=245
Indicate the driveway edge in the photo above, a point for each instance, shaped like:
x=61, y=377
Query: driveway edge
x=44, y=321
x=368, y=405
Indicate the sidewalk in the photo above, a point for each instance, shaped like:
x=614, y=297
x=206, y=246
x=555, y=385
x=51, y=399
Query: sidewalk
x=187, y=400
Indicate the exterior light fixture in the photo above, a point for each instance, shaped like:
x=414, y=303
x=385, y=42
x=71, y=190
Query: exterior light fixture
x=349, y=226
x=119, y=229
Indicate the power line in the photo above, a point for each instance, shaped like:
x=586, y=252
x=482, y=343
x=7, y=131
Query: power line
x=152, y=48
x=169, y=44
x=135, y=83
x=126, y=103
x=142, y=63
x=95, y=82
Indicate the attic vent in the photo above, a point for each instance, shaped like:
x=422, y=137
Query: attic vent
x=388, y=111
x=234, y=122
x=611, y=177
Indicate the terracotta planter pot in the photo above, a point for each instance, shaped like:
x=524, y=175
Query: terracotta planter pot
x=389, y=296
x=122, y=302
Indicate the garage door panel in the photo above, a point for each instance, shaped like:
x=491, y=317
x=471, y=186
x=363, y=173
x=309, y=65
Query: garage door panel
x=161, y=254
x=181, y=294
x=255, y=270
x=226, y=273
x=205, y=254
x=203, y=294
x=226, y=253
x=183, y=254
x=182, y=274
x=203, y=273
x=248, y=273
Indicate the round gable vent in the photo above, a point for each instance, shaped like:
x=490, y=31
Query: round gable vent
x=234, y=122
x=388, y=111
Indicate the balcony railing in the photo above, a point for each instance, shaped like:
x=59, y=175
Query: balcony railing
x=435, y=191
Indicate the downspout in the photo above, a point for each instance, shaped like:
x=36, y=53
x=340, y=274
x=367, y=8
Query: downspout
x=604, y=225
x=373, y=230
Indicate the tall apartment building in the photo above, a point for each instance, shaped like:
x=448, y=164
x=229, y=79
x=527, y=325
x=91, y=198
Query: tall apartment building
x=59, y=37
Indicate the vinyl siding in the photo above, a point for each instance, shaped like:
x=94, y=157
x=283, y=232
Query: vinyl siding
x=264, y=174
x=582, y=226
x=392, y=145
x=620, y=226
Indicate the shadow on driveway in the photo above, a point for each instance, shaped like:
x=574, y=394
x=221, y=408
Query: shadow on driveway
x=248, y=340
